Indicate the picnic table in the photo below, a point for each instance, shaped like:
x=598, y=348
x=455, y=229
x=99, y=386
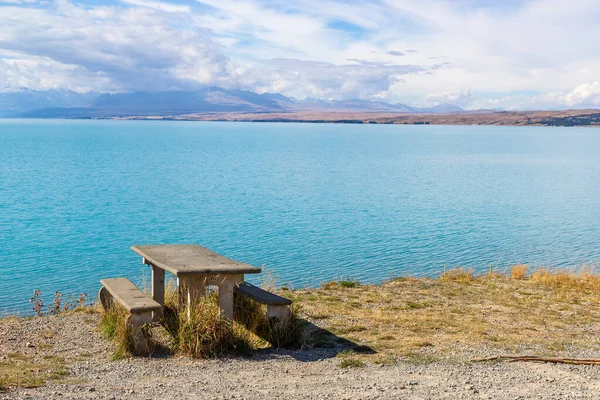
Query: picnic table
x=195, y=267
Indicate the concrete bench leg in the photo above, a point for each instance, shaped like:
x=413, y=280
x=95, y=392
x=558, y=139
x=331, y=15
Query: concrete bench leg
x=105, y=298
x=141, y=345
x=158, y=289
x=279, y=314
x=227, y=285
x=226, y=299
x=190, y=288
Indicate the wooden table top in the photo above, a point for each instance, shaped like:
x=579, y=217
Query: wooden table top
x=191, y=259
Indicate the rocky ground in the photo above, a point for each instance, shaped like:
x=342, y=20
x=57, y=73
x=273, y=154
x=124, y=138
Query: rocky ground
x=73, y=343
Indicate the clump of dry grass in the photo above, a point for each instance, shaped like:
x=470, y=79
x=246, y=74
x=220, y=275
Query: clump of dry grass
x=351, y=362
x=461, y=275
x=205, y=333
x=519, y=271
x=344, y=283
x=584, y=279
x=253, y=316
x=115, y=325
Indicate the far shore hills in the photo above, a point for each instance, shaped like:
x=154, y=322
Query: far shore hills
x=219, y=104
x=499, y=118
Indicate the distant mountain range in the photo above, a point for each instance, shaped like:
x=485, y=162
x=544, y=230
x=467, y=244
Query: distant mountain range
x=27, y=103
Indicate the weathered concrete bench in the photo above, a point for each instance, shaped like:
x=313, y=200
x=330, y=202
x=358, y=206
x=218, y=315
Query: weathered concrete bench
x=278, y=308
x=136, y=302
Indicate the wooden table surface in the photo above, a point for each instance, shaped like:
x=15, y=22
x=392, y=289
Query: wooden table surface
x=191, y=259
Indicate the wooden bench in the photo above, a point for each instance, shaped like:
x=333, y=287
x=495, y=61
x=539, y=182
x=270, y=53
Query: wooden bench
x=278, y=308
x=136, y=302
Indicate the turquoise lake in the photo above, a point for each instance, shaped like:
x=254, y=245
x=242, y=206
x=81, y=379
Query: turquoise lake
x=310, y=202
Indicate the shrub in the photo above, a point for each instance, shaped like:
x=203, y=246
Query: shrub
x=253, y=316
x=59, y=304
x=518, y=271
x=585, y=279
x=460, y=275
x=349, y=283
x=207, y=334
x=351, y=363
x=115, y=325
x=289, y=334
x=330, y=285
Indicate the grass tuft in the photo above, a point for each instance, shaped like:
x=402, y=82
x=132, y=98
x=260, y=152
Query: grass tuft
x=206, y=334
x=349, y=284
x=115, y=325
x=461, y=275
x=253, y=317
x=519, y=271
x=351, y=362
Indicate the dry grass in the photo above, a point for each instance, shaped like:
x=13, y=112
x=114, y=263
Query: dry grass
x=20, y=370
x=115, y=325
x=206, y=334
x=461, y=275
x=518, y=271
x=416, y=319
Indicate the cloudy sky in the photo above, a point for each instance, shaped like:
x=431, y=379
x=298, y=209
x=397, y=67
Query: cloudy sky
x=515, y=54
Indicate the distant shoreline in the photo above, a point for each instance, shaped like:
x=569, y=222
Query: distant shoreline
x=565, y=118
x=568, y=118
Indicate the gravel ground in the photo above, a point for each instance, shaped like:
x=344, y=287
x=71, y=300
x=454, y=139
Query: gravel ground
x=302, y=374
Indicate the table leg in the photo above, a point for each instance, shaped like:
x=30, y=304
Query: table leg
x=158, y=289
x=226, y=288
x=190, y=287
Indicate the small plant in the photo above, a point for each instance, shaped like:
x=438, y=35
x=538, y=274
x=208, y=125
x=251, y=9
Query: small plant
x=518, y=271
x=38, y=302
x=55, y=307
x=584, y=279
x=81, y=300
x=415, y=305
x=290, y=334
x=349, y=283
x=460, y=275
x=59, y=304
x=253, y=317
x=420, y=359
x=115, y=325
x=385, y=360
x=351, y=362
x=330, y=285
x=205, y=333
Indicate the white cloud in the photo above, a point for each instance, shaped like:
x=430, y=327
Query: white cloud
x=325, y=80
x=583, y=96
x=159, y=5
x=42, y=73
x=432, y=51
x=586, y=94
x=462, y=98
x=135, y=48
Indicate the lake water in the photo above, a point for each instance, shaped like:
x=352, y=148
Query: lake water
x=311, y=202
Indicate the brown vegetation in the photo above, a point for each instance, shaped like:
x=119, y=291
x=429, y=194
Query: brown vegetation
x=413, y=318
x=546, y=312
